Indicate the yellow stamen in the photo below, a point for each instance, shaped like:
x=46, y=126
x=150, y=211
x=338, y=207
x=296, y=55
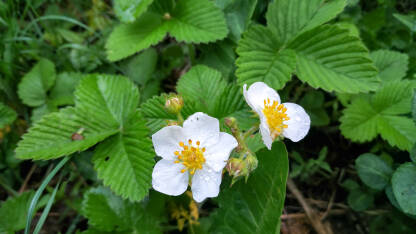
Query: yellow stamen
x=191, y=157
x=275, y=115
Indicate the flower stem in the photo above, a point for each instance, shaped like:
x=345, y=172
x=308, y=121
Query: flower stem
x=249, y=132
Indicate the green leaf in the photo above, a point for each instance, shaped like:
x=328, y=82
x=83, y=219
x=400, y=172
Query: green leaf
x=209, y=92
x=140, y=68
x=220, y=56
x=189, y=21
x=128, y=10
x=107, y=212
x=63, y=91
x=238, y=14
x=13, y=212
x=360, y=200
x=255, y=207
x=330, y=58
x=127, y=39
x=262, y=59
x=35, y=84
x=391, y=65
x=382, y=114
x=414, y=107
x=404, y=187
x=413, y=153
x=373, y=171
x=155, y=113
x=289, y=18
x=125, y=161
x=51, y=137
x=7, y=115
x=407, y=20
x=198, y=21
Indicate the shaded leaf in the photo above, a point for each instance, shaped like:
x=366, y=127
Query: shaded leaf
x=7, y=115
x=373, y=171
x=404, y=187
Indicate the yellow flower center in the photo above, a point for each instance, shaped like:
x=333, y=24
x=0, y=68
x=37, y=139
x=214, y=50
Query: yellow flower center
x=275, y=114
x=192, y=157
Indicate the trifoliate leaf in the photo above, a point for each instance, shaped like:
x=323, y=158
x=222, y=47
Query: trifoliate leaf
x=373, y=171
x=36, y=83
x=7, y=115
x=255, y=207
x=262, y=58
x=382, y=114
x=127, y=39
x=289, y=18
x=51, y=136
x=404, y=187
x=125, y=161
x=107, y=212
x=330, y=58
x=128, y=10
x=391, y=65
x=63, y=91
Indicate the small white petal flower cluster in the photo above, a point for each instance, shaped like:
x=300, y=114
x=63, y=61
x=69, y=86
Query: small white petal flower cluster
x=196, y=153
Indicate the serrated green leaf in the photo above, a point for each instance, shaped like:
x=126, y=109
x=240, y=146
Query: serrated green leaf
x=107, y=212
x=51, y=137
x=155, y=113
x=255, y=207
x=125, y=161
x=382, y=114
x=262, y=59
x=63, y=91
x=404, y=187
x=198, y=21
x=207, y=91
x=391, y=65
x=407, y=20
x=35, y=84
x=189, y=20
x=13, y=212
x=127, y=39
x=373, y=171
x=330, y=58
x=289, y=18
x=7, y=115
x=128, y=10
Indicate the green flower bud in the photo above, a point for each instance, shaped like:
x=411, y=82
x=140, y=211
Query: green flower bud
x=174, y=104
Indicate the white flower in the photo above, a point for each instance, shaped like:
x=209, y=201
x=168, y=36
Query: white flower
x=196, y=151
x=276, y=119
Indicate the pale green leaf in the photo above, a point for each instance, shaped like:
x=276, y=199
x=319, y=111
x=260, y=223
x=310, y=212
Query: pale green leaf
x=108, y=213
x=261, y=58
x=63, y=91
x=198, y=21
x=404, y=187
x=391, y=65
x=125, y=161
x=330, y=58
x=35, y=84
x=255, y=206
x=398, y=131
x=51, y=137
x=359, y=121
x=7, y=115
x=127, y=39
x=393, y=98
x=373, y=171
x=289, y=18
x=128, y=10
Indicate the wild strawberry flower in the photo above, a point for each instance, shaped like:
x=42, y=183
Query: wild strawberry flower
x=277, y=120
x=198, y=151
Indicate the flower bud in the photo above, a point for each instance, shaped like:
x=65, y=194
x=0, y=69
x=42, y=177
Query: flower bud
x=230, y=122
x=174, y=104
x=235, y=166
x=238, y=168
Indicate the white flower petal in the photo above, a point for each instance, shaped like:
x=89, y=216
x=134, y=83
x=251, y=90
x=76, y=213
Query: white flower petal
x=257, y=93
x=202, y=127
x=265, y=132
x=166, y=141
x=216, y=156
x=298, y=124
x=168, y=179
x=206, y=183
